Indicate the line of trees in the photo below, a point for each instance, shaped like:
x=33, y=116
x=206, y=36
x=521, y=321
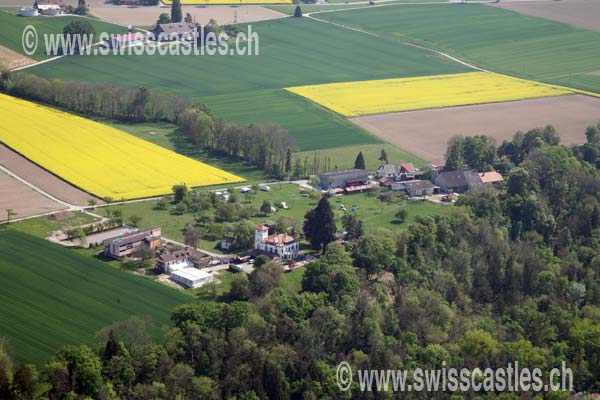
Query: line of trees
x=99, y=99
x=267, y=147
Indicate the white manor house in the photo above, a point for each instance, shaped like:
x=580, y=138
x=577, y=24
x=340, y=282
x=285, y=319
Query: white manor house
x=284, y=246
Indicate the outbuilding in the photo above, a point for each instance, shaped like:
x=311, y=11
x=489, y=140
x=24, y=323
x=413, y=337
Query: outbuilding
x=191, y=277
x=28, y=12
x=415, y=188
x=344, y=178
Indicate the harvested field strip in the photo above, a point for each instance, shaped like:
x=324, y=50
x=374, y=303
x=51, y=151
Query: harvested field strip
x=97, y=158
x=52, y=296
x=404, y=94
x=41, y=178
x=23, y=200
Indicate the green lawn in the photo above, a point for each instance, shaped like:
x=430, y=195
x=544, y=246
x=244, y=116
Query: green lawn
x=374, y=213
x=52, y=296
x=343, y=157
x=13, y=26
x=492, y=38
x=249, y=89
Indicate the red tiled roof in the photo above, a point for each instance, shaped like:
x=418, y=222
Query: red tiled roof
x=262, y=228
x=409, y=167
x=279, y=239
x=490, y=177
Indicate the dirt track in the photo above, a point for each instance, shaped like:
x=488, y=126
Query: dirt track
x=425, y=133
x=43, y=179
x=580, y=13
x=147, y=16
x=22, y=199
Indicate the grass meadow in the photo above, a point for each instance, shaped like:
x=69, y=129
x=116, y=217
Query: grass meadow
x=52, y=296
x=13, y=26
x=492, y=38
x=249, y=89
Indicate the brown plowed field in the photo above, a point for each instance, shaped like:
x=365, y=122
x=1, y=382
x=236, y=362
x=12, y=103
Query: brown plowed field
x=580, y=13
x=425, y=133
x=22, y=199
x=147, y=16
x=43, y=179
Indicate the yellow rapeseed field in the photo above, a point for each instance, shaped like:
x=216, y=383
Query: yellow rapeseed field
x=402, y=94
x=100, y=159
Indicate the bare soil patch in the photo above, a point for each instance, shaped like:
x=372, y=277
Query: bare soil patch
x=425, y=133
x=580, y=13
x=43, y=179
x=147, y=16
x=11, y=59
x=22, y=199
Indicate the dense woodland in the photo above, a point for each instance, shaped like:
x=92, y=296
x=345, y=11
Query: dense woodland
x=512, y=275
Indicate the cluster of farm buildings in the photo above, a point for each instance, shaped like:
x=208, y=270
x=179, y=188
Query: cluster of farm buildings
x=405, y=177
x=44, y=7
x=187, y=266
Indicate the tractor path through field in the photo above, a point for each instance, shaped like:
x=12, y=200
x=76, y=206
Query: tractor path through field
x=379, y=4
x=440, y=53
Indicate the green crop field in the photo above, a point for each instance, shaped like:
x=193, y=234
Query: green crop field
x=492, y=38
x=13, y=26
x=52, y=296
x=250, y=88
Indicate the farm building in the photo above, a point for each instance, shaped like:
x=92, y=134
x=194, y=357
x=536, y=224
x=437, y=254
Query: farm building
x=227, y=242
x=458, y=181
x=398, y=172
x=191, y=277
x=49, y=9
x=491, y=177
x=128, y=244
x=283, y=246
x=344, y=178
x=415, y=188
x=186, y=258
x=126, y=40
x=172, y=31
x=28, y=12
